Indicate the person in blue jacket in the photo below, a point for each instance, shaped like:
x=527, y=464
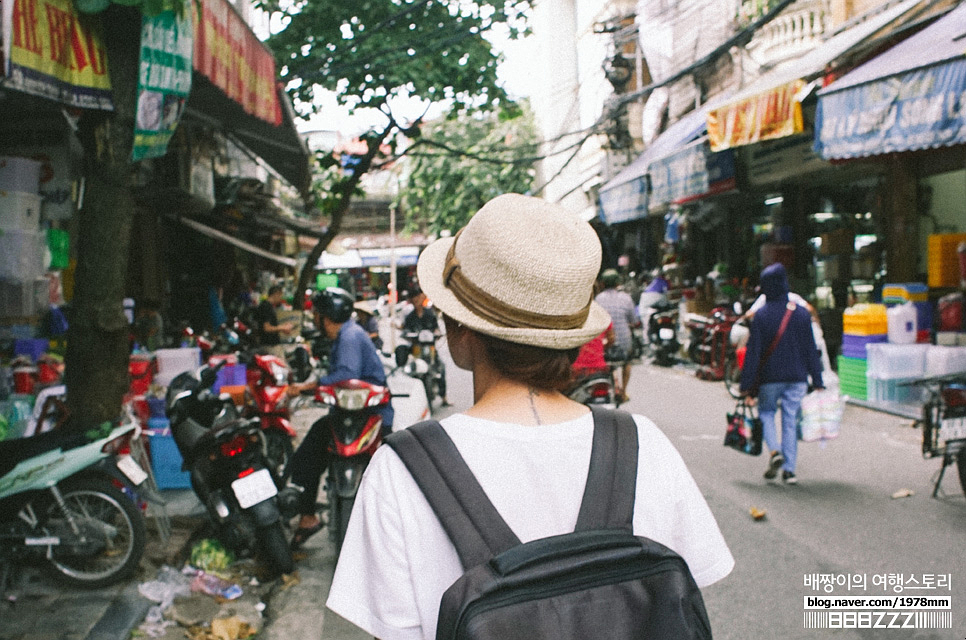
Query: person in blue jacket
x=784, y=373
x=353, y=356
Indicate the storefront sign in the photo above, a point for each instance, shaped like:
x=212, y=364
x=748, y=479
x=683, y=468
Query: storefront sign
x=624, y=202
x=164, y=81
x=778, y=160
x=691, y=173
x=917, y=110
x=230, y=55
x=771, y=114
x=52, y=51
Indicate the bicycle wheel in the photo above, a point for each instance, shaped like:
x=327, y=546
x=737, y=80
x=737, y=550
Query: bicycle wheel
x=961, y=468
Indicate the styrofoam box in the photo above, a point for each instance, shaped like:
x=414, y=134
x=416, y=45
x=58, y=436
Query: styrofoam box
x=171, y=362
x=890, y=390
x=20, y=210
x=22, y=254
x=896, y=360
x=19, y=174
x=941, y=360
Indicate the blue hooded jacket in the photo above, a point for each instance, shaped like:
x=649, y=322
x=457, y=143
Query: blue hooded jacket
x=795, y=358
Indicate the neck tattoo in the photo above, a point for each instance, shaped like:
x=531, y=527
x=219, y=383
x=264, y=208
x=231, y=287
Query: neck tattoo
x=533, y=405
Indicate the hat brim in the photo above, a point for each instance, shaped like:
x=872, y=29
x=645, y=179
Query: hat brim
x=429, y=270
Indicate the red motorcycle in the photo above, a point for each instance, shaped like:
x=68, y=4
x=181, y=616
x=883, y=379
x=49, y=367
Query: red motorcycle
x=268, y=393
x=356, y=428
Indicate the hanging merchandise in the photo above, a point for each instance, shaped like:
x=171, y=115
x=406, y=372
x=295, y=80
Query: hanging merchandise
x=58, y=241
x=672, y=231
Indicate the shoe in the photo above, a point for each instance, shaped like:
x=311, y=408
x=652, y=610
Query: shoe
x=304, y=533
x=774, y=464
x=788, y=477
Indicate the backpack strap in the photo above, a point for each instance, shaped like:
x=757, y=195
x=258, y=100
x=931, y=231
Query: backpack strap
x=470, y=520
x=473, y=524
x=608, y=501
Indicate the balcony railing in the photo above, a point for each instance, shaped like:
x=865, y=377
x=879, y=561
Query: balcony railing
x=795, y=31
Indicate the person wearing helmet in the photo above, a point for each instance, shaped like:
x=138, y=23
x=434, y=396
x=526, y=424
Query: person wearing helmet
x=353, y=356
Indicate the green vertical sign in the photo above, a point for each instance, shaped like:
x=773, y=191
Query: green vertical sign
x=164, y=80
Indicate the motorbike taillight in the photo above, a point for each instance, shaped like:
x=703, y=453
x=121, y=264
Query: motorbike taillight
x=233, y=447
x=600, y=390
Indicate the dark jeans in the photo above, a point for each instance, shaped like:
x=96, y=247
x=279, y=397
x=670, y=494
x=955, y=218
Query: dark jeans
x=310, y=461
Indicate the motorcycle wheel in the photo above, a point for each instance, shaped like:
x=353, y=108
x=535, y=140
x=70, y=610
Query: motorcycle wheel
x=341, y=510
x=113, y=533
x=732, y=378
x=275, y=548
x=429, y=383
x=278, y=450
x=961, y=467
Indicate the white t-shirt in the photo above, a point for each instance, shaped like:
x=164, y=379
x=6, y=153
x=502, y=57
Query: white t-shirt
x=397, y=561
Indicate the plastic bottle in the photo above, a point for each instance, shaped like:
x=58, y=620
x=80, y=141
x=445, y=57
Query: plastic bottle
x=902, y=323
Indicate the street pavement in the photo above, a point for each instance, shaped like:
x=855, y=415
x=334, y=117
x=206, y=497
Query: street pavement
x=841, y=519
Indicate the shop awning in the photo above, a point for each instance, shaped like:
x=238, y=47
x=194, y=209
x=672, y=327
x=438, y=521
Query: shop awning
x=405, y=256
x=770, y=107
x=691, y=173
x=911, y=97
x=346, y=260
x=624, y=197
x=241, y=244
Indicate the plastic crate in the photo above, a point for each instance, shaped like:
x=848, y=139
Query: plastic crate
x=865, y=320
x=890, y=361
x=942, y=260
x=904, y=292
x=855, y=346
x=892, y=391
x=171, y=362
x=166, y=460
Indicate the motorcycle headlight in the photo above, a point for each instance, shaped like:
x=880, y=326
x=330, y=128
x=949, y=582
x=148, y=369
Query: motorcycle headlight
x=279, y=374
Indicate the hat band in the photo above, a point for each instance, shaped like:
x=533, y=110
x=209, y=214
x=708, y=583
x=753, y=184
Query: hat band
x=495, y=310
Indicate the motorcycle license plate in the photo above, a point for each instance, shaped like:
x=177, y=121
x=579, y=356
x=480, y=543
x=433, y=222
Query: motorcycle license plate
x=132, y=470
x=254, y=488
x=665, y=334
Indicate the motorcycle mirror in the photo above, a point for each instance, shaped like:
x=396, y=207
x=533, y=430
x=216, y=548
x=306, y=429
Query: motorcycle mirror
x=402, y=355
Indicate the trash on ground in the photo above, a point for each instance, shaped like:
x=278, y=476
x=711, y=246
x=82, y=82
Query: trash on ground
x=215, y=586
x=211, y=555
x=903, y=493
x=758, y=514
x=233, y=628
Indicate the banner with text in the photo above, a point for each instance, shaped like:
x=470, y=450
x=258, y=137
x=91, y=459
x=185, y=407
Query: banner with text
x=771, y=114
x=918, y=110
x=233, y=58
x=164, y=81
x=52, y=51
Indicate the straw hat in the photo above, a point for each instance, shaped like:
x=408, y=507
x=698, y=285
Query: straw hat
x=521, y=270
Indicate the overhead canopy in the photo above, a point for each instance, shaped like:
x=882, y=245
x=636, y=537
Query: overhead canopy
x=624, y=197
x=241, y=244
x=911, y=97
x=770, y=107
x=691, y=173
x=281, y=147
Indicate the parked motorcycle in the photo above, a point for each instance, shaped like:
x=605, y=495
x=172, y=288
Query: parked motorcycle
x=662, y=333
x=425, y=363
x=709, y=341
x=943, y=423
x=267, y=380
x=230, y=472
x=62, y=503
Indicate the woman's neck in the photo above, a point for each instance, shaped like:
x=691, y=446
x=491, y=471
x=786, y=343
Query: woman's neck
x=503, y=400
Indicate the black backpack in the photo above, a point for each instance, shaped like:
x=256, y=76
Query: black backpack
x=601, y=581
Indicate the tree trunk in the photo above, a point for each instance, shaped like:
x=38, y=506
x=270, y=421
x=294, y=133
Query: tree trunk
x=96, y=364
x=346, y=189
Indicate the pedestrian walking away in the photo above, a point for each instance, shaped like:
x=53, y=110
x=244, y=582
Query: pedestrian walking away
x=517, y=307
x=780, y=359
x=623, y=313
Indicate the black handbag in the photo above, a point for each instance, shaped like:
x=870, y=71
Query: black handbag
x=744, y=432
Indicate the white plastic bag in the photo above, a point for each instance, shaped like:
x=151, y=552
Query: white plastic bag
x=822, y=415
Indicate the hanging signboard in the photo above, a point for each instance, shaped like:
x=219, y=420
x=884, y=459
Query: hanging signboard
x=232, y=57
x=918, y=110
x=624, y=202
x=691, y=173
x=52, y=51
x=164, y=81
x=771, y=114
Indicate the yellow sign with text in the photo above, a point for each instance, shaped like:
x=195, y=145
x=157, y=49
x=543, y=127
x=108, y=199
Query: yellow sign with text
x=771, y=114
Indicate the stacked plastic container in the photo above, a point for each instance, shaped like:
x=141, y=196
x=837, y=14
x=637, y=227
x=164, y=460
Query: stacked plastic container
x=911, y=293
x=942, y=259
x=23, y=287
x=862, y=325
x=891, y=365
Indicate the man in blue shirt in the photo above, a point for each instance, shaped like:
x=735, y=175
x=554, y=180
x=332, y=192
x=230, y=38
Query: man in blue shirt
x=353, y=357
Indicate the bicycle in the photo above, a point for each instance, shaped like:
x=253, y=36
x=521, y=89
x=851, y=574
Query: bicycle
x=943, y=423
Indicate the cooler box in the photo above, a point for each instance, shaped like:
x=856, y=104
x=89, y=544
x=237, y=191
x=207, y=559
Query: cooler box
x=165, y=458
x=892, y=361
x=942, y=360
x=171, y=362
x=20, y=174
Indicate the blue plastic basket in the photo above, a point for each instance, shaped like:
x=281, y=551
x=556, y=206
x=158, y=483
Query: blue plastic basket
x=166, y=460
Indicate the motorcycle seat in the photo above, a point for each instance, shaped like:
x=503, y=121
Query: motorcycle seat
x=13, y=451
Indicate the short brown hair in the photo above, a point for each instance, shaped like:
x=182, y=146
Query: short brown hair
x=539, y=367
